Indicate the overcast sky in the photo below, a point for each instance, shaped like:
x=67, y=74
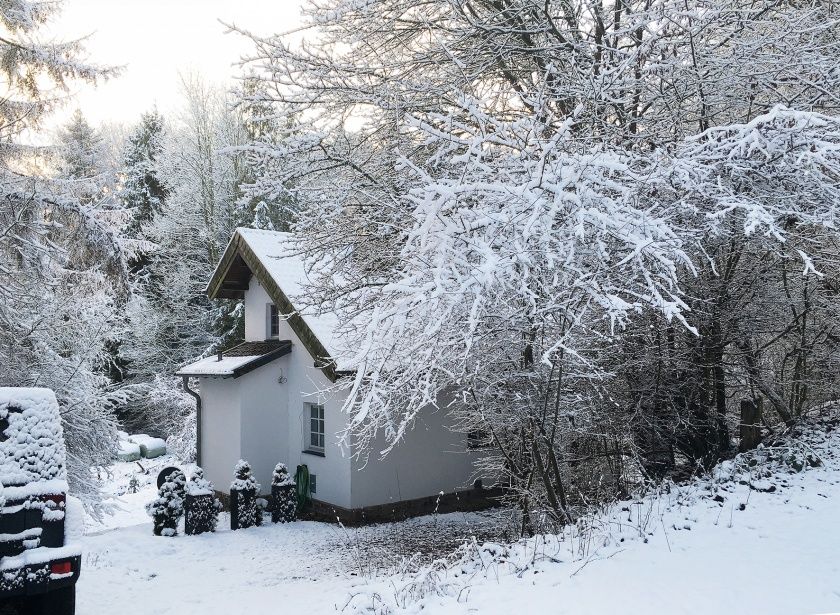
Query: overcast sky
x=155, y=39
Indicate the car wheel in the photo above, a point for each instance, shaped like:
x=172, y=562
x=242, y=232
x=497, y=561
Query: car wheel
x=57, y=602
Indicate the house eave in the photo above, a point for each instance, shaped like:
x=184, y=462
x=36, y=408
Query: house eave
x=229, y=272
x=246, y=368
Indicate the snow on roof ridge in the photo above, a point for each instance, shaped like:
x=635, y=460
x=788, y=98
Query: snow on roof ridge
x=290, y=269
x=248, y=229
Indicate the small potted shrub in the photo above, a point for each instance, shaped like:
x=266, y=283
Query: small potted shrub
x=283, y=495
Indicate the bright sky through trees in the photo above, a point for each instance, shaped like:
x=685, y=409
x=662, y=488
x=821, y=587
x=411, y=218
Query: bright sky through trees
x=154, y=40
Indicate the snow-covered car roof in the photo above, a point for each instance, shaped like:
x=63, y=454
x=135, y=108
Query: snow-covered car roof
x=32, y=453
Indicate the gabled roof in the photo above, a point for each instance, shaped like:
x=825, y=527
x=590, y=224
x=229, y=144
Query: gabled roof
x=238, y=360
x=272, y=257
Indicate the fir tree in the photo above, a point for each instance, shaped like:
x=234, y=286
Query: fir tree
x=80, y=148
x=284, y=494
x=268, y=211
x=202, y=505
x=143, y=192
x=168, y=507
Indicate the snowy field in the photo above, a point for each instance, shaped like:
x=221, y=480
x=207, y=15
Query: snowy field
x=744, y=541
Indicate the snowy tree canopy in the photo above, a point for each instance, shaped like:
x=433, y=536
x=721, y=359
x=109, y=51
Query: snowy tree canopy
x=61, y=270
x=495, y=192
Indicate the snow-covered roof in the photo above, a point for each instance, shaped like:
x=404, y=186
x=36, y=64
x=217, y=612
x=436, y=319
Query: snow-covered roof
x=275, y=259
x=239, y=360
x=212, y=366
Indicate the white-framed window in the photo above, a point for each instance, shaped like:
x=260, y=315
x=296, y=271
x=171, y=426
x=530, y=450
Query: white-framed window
x=272, y=322
x=315, y=439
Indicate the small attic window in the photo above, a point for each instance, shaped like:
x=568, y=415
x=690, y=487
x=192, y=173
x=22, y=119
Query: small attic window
x=273, y=321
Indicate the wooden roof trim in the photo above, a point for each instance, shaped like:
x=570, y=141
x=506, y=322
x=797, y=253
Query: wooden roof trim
x=313, y=345
x=221, y=272
x=265, y=359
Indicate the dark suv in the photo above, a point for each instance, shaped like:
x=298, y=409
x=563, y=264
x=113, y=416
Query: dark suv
x=38, y=565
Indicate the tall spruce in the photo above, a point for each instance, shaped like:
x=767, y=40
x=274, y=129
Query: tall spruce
x=143, y=192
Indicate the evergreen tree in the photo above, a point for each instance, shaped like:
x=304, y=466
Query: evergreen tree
x=272, y=210
x=168, y=507
x=80, y=148
x=143, y=192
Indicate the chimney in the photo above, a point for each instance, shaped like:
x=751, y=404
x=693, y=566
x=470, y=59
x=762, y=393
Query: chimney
x=219, y=356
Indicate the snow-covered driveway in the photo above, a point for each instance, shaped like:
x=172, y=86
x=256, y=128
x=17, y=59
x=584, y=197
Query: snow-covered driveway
x=303, y=567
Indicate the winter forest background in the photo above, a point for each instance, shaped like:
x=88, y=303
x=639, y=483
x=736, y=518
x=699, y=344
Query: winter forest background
x=605, y=229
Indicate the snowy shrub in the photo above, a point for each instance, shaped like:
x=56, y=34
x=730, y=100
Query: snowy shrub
x=202, y=506
x=168, y=507
x=283, y=495
x=243, y=497
x=262, y=506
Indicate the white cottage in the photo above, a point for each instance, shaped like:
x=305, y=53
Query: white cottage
x=263, y=401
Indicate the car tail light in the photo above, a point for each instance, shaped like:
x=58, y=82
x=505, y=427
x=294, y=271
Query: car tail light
x=61, y=568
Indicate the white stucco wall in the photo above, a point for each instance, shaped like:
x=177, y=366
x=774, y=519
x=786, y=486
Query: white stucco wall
x=264, y=419
x=220, y=430
x=257, y=418
x=273, y=408
x=431, y=459
x=256, y=318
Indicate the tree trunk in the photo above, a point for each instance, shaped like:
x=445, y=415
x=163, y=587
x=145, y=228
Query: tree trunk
x=750, y=426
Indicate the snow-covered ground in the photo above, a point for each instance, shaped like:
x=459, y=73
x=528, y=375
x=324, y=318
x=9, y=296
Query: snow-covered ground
x=303, y=567
x=749, y=540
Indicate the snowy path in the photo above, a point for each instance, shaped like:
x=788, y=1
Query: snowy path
x=303, y=567
x=296, y=566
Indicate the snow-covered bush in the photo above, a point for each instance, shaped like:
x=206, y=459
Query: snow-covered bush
x=243, y=497
x=202, y=506
x=167, y=509
x=283, y=495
